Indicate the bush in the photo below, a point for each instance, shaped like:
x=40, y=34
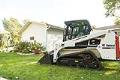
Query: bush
x=29, y=47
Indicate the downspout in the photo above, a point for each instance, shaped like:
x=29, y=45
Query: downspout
x=47, y=35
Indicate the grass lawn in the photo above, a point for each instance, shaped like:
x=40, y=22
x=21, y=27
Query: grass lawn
x=25, y=67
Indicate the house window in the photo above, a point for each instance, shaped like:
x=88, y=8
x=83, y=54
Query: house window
x=32, y=38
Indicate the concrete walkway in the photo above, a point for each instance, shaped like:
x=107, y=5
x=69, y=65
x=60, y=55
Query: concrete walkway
x=2, y=78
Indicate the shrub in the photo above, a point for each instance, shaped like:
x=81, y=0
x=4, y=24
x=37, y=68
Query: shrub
x=29, y=47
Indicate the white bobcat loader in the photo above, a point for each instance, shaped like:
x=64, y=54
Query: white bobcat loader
x=83, y=47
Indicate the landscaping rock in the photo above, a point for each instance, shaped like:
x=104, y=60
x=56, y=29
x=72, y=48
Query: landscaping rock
x=25, y=53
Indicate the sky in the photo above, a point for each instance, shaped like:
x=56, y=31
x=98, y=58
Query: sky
x=55, y=11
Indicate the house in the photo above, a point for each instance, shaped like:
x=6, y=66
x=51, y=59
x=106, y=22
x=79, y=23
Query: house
x=108, y=27
x=41, y=32
x=114, y=27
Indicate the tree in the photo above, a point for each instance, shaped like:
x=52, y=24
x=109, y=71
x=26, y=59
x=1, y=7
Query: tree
x=1, y=42
x=111, y=6
x=117, y=21
x=13, y=26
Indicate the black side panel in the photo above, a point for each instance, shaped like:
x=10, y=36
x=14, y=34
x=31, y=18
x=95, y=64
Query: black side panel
x=83, y=44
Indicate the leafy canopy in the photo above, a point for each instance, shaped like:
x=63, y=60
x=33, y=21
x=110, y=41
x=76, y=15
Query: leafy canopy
x=13, y=26
x=111, y=6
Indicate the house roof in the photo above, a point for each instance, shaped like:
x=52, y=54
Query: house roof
x=48, y=25
x=25, y=27
x=54, y=27
x=108, y=27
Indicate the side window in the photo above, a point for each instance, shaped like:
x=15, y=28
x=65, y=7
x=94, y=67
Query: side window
x=32, y=38
x=75, y=31
x=69, y=33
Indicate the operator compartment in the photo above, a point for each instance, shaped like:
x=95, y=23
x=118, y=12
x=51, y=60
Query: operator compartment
x=75, y=29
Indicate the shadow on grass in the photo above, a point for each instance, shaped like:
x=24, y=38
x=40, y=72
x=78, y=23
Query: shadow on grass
x=111, y=67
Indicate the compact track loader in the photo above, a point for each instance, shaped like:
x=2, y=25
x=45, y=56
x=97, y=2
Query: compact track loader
x=83, y=47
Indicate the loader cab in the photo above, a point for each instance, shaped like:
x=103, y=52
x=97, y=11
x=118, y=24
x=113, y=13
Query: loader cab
x=75, y=29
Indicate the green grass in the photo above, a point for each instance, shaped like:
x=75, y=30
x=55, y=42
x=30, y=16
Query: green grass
x=19, y=67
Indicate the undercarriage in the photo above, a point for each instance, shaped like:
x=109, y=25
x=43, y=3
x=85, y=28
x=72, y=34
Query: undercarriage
x=84, y=59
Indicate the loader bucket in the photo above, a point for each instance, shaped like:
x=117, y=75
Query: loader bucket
x=46, y=59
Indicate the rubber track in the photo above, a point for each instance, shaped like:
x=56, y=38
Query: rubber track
x=70, y=61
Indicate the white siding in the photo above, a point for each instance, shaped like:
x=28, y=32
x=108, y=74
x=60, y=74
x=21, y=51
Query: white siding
x=36, y=30
x=53, y=36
